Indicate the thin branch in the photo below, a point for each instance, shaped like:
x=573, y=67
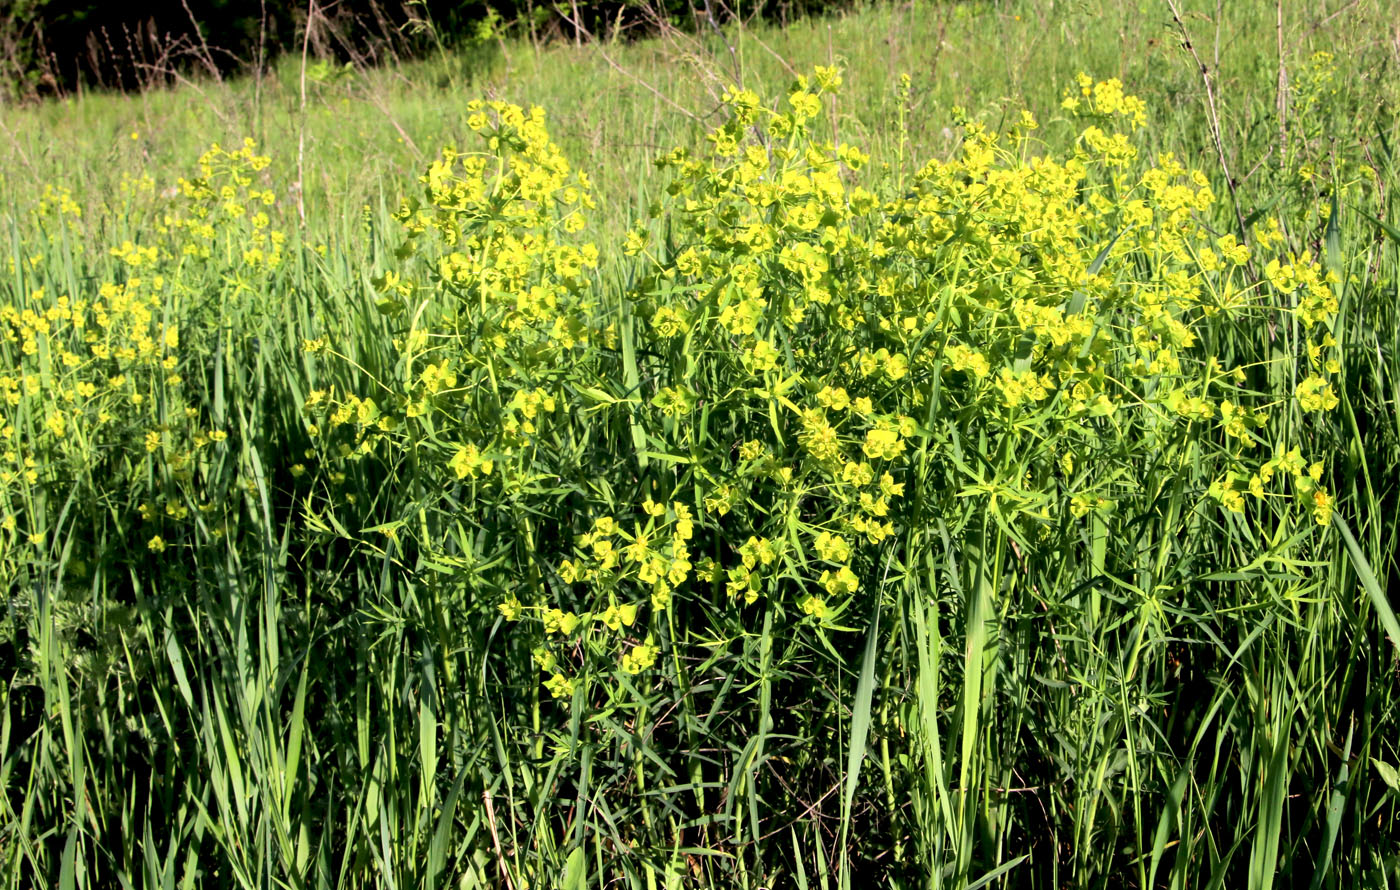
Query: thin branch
x=495, y=838
x=1282, y=98
x=733, y=56
x=206, y=57
x=301, y=127
x=260, y=69
x=1320, y=22
x=598, y=47
x=1212, y=117
x=19, y=149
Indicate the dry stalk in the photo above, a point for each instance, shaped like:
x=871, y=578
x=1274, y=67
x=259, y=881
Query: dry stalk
x=598, y=47
x=1212, y=116
x=1282, y=98
x=205, y=56
x=301, y=126
x=495, y=838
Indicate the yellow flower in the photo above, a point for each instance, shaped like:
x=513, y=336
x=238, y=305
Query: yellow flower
x=832, y=548
x=757, y=551
x=1315, y=394
x=560, y=686
x=640, y=657
x=560, y=622
x=1322, y=506
x=883, y=443
x=841, y=582
x=543, y=658
x=467, y=463
x=614, y=617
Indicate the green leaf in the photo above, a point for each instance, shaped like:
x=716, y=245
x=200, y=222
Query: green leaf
x=1368, y=581
x=1388, y=773
x=1381, y=224
x=860, y=731
x=575, y=871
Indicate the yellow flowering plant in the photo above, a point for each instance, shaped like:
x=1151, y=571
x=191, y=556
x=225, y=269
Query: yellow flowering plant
x=807, y=375
x=105, y=416
x=599, y=491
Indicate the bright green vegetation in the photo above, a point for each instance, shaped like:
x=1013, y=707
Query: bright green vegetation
x=942, y=481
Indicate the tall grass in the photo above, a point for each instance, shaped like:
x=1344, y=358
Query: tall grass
x=311, y=684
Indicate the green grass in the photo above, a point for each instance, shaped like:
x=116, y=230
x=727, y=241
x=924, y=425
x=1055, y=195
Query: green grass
x=977, y=55
x=291, y=696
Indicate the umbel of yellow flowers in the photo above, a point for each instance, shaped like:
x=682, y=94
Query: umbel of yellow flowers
x=802, y=362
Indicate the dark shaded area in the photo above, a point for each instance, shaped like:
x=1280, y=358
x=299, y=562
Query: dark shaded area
x=53, y=47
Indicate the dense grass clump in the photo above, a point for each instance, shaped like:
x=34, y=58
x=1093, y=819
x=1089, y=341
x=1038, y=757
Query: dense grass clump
x=1021, y=515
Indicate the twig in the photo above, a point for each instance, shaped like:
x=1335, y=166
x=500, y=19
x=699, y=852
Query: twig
x=173, y=72
x=733, y=57
x=301, y=127
x=1211, y=116
x=1215, y=49
x=831, y=63
x=206, y=57
x=598, y=47
x=1282, y=98
x=811, y=807
x=1255, y=169
x=751, y=35
x=774, y=53
x=495, y=839
x=363, y=64
x=1320, y=22
x=19, y=149
x=258, y=73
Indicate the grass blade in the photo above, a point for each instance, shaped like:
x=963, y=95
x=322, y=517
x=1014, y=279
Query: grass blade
x=1367, y=577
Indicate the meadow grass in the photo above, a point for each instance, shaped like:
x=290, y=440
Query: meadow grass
x=350, y=618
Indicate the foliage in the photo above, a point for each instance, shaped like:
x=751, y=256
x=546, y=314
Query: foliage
x=1016, y=516
x=48, y=47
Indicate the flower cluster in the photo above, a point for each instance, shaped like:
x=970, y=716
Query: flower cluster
x=808, y=368
x=95, y=404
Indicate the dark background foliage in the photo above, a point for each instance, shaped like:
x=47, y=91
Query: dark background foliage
x=57, y=46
